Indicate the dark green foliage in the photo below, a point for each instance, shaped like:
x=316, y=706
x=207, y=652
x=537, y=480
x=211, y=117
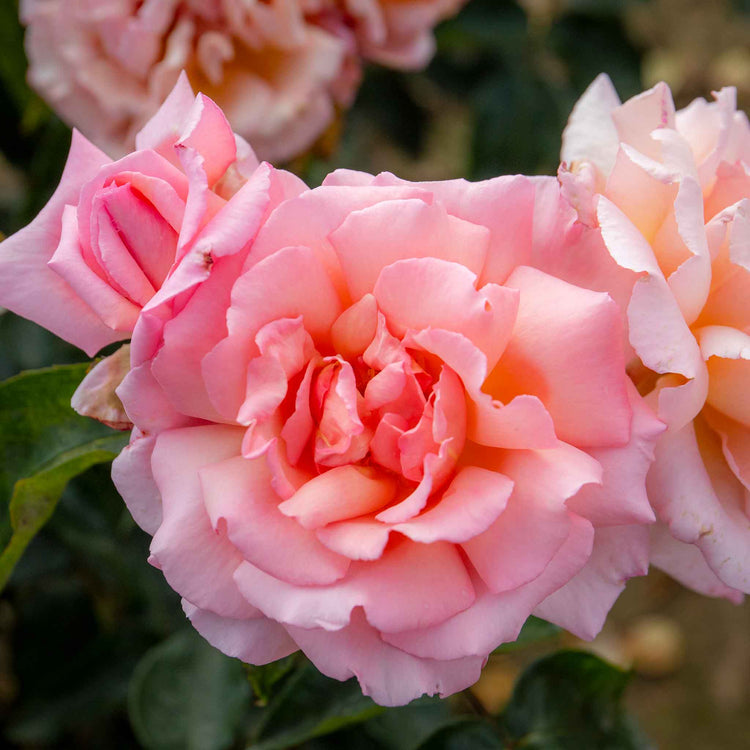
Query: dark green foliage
x=43, y=444
x=570, y=700
x=186, y=695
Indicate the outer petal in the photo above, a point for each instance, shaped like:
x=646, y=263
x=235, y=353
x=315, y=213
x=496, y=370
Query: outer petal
x=582, y=604
x=358, y=651
x=694, y=492
x=29, y=287
x=410, y=586
x=255, y=640
x=134, y=480
x=686, y=564
x=536, y=523
x=197, y=562
x=621, y=498
x=497, y=618
x=504, y=205
x=566, y=350
x=590, y=133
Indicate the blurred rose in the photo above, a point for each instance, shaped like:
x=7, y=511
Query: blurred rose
x=386, y=438
x=397, y=33
x=113, y=231
x=668, y=195
x=278, y=68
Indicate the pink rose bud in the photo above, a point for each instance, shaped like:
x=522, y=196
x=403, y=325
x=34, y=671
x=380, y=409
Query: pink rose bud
x=670, y=201
x=112, y=232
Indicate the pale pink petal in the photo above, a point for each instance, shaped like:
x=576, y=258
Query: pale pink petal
x=207, y=131
x=694, y=492
x=279, y=287
x=310, y=218
x=68, y=262
x=355, y=328
x=163, y=130
x=497, y=618
x=735, y=444
x=504, y=205
x=536, y=522
x=727, y=354
x=255, y=640
x=29, y=287
x=410, y=586
x=582, y=604
x=358, y=539
x=147, y=235
x=134, y=480
x=189, y=335
x=146, y=403
x=373, y=238
x=197, y=562
x=470, y=504
x=686, y=564
x=358, y=651
x=116, y=263
x=426, y=292
x=241, y=503
x=638, y=117
x=523, y=423
x=338, y=494
x=566, y=350
x=590, y=133
x=621, y=498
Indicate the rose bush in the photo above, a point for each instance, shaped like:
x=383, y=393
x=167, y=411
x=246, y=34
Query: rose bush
x=667, y=195
x=378, y=431
x=278, y=69
x=114, y=230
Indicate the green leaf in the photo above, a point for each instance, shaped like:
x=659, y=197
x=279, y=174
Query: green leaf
x=408, y=727
x=311, y=705
x=186, y=695
x=466, y=734
x=266, y=677
x=43, y=444
x=570, y=700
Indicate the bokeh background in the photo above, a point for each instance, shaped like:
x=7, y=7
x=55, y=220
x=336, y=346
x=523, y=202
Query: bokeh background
x=83, y=607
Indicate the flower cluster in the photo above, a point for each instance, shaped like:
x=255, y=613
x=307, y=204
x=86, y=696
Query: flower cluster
x=384, y=422
x=278, y=68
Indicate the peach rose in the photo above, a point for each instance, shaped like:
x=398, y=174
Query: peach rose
x=386, y=435
x=106, y=66
x=278, y=68
x=114, y=231
x=668, y=194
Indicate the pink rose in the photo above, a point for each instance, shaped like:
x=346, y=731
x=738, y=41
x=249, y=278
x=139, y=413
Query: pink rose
x=668, y=195
x=106, y=67
x=113, y=231
x=386, y=435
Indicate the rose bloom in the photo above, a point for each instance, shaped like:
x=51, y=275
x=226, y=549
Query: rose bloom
x=668, y=194
x=113, y=231
x=373, y=428
x=278, y=68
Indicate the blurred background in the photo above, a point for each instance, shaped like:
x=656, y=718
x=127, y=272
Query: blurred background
x=84, y=607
